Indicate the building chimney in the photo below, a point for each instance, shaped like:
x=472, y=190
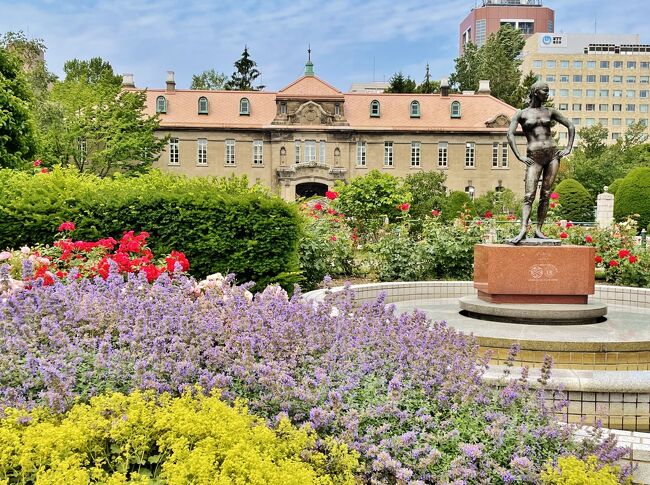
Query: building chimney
x=127, y=81
x=444, y=87
x=483, y=86
x=171, y=84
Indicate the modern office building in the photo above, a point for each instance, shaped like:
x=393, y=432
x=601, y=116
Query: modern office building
x=594, y=78
x=302, y=139
x=529, y=16
x=370, y=87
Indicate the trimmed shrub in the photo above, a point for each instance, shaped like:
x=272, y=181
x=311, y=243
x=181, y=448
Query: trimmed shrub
x=575, y=202
x=633, y=196
x=142, y=438
x=220, y=224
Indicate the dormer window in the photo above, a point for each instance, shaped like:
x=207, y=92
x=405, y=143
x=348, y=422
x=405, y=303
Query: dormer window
x=283, y=108
x=374, y=109
x=161, y=104
x=244, y=107
x=455, y=109
x=203, y=105
x=415, y=109
x=337, y=109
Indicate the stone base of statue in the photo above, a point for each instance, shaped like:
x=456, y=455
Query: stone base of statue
x=534, y=273
x=535, y=283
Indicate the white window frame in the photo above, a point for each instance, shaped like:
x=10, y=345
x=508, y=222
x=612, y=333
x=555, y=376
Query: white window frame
x=230, y=152
x=443, y=154
x=470, y=154
x=296, y=151
x=416, y=150
x=202, y=151
x=505, y=151
x=495, y=154
x=310, y=151
x=258, y=152
x=174, y=151
x=244, y=106
x=388, y=154
x=361, y=154
x=322, y=151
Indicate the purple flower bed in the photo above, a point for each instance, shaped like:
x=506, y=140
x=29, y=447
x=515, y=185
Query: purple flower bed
x=405, y=392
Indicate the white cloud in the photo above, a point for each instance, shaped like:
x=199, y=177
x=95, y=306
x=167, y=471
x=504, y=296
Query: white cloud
x=149, y=37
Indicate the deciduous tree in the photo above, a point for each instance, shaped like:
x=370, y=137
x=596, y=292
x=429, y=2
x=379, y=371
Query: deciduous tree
x=209, y=80
x=496, y=60
x=17, y=141
x=93, y=124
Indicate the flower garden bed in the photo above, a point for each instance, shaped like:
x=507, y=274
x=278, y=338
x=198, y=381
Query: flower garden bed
x=404, y=393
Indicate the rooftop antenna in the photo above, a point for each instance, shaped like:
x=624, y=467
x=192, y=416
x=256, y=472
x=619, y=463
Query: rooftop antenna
x=595, y=24
x=309, y=52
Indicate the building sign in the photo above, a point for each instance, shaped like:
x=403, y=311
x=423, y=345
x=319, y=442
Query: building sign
x=552, y=40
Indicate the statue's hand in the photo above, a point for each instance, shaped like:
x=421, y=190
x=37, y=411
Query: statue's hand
x=562, y=153
x=528, y=161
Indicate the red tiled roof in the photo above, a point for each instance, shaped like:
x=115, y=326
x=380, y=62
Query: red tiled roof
x=309, y=87
x=182, y=108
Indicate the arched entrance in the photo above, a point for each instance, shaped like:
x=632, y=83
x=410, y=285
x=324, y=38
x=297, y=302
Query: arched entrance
x=309, y=189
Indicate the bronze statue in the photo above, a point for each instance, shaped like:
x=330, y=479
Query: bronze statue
x=542, y=155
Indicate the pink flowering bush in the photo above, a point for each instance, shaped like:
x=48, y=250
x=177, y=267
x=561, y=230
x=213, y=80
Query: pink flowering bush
x=404, y=392
x=327, y=245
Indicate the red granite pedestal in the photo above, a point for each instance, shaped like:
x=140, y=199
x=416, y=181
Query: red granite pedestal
x=505, y=273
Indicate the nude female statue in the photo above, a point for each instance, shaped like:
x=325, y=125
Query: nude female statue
x=542, y=156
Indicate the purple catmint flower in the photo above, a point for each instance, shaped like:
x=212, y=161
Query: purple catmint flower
x=392, y=387
x=472, y=451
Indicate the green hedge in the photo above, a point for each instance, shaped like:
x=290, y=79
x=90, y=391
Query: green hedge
x=575, y=201
x=633, y=196
x=221, y=225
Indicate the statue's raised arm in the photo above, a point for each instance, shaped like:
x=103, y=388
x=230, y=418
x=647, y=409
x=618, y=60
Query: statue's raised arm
x=542, y=156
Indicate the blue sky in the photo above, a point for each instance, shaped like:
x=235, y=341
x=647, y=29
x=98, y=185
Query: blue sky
x=351, y=41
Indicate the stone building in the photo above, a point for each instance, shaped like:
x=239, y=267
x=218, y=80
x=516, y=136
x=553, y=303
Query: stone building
x=302, y=139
